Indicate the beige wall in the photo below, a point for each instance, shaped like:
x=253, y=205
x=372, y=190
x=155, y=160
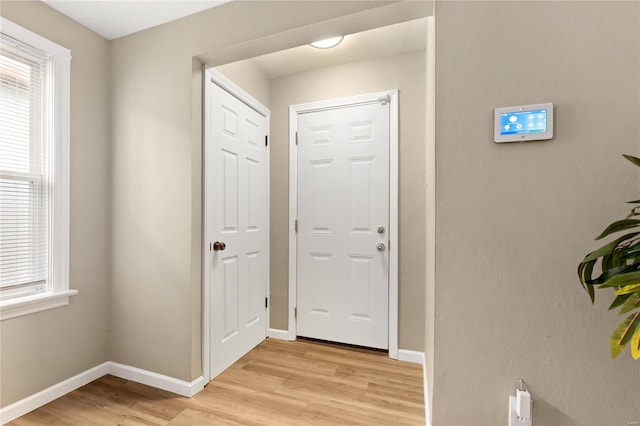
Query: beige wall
x=156, y=260
x=249, y=77
x=404, y=72
x=514, y=220
x=42, y=349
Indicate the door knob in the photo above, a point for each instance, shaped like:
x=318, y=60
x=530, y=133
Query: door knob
x=380, y=229
x=218, y=245
x=380, y=247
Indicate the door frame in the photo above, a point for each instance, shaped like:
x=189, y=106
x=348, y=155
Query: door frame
x=211, y=75
x=390, y=96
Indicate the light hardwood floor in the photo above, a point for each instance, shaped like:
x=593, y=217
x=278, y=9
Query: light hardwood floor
x=277, y=383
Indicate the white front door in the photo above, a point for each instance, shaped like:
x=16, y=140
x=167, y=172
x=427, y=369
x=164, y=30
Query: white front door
x=343, y=222
x=236, y=226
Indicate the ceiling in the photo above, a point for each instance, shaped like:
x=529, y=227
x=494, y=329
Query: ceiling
x=376, y=43
x=116, y=18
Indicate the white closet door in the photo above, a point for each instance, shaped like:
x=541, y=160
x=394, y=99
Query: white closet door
x=238, y=214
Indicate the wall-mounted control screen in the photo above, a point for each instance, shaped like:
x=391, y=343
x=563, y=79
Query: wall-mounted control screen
x=523, y=123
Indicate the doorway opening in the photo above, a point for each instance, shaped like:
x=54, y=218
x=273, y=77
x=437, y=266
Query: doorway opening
x=281, y=79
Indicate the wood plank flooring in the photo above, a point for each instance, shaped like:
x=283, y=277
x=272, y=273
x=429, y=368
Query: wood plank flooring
x=277, y=383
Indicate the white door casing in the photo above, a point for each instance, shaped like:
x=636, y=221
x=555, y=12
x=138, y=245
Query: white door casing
x=236, y=206
x=343, y=186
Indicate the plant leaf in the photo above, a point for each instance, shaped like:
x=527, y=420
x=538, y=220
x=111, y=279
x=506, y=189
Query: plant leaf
x=613, y=262
x=616, y=259
x=619, y=225
x=635, y=344
x=630, y=254
x=585, y=270
x=622, y=280
x=633, y=202
x=628, y=289
x=606, y=262
x=632, y=302
x=634, y=160
x=623, y=333
x=609, y=247
x=620, y=300
x=612, y=273
x=583, y=273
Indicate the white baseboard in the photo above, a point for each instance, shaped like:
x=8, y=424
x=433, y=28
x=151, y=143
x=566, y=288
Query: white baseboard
x=276, y=333
x=160, y=381
x=30, y=403
x=411, y=356
x=419, y=358
x=149, y=378
x=425, y=384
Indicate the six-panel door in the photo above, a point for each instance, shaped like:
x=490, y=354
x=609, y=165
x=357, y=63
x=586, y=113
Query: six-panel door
x=238, y=190
x=343, y=221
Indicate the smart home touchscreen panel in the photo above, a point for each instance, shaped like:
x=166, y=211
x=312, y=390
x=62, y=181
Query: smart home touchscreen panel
x=523, y=123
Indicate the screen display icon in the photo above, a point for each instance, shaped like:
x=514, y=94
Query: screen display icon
x=523, y=122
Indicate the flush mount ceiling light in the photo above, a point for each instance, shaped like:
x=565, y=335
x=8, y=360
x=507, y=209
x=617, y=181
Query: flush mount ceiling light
x=327, y=43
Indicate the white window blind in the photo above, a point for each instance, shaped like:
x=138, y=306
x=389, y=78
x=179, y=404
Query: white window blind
x=34, y=172
x=25, y=121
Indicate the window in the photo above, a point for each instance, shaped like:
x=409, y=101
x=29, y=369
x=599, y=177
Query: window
x=34, y=172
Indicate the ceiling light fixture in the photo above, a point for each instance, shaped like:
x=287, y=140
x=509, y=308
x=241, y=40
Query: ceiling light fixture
x=327, y=43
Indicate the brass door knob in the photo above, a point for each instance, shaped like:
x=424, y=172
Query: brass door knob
x=219, y=245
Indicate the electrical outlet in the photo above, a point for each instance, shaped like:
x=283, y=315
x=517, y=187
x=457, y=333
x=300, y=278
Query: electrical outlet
x=513, y=415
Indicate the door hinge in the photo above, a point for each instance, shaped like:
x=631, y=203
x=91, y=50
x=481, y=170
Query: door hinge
x=384, y=99
x=266, y=140
x=266, y=302
x=295, y=225
x=295, y=313
x=296, y=137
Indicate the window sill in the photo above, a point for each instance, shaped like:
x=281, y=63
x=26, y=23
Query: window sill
x=30, y=304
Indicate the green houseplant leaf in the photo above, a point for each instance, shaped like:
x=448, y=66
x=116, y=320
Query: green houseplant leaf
x=625, y=279
x=616, y=265
x=619, y=225
x=628, y=289
x=623, y=333
x=611, y=272
x=632, y=253
x=635, y=344
x=634, y=160
x=619, y=301
x=631, y=303
x=610, y=247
